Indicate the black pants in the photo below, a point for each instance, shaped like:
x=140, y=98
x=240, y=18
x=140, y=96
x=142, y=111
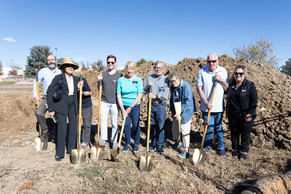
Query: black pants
x=240, y=129
x=65, y=131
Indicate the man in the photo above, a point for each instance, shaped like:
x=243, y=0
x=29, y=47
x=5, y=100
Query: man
x=45, y=76
x=86, y=113
x=181, y=91
x=206, y=77
x=109, y=101
x=159, y=93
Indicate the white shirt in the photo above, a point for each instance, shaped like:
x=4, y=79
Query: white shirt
x=205, y=79
x=71, y=86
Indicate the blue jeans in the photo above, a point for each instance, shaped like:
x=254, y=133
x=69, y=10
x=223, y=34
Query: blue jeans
x=133, y=118
x=158, y=118
x=215, y=122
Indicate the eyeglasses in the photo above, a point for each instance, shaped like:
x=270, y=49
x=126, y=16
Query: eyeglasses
x=213, y=61
x=111, y=62
x=236, y=73
x=172, y=81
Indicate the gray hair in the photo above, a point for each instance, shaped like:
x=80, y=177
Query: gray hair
x=158, y=62
x=216, y=57
x=173, y=74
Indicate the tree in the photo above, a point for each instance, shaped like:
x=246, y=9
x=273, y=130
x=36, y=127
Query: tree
x=36, y=59
x=1, y=68
x=287, y=68
x=259, y=52
x=141, y=61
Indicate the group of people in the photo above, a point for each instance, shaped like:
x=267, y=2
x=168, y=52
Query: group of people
x=124, y=93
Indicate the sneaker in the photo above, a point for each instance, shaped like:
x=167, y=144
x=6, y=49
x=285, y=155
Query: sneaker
x=114, y=146
x=152, y=149
x=160, y=151
x=177, y=145
x=126, y=148
x=83, y=145
x=45, y=144
x=135, y=149
x=221, y=152
x=184, y=154
x=58, y=159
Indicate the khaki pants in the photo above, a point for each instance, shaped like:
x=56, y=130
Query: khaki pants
x=185, y=130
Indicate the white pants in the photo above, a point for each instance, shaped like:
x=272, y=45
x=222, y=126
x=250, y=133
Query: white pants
x=105, y=108
x=185, y=130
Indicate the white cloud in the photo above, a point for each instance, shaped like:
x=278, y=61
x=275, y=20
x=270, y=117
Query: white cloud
x=9, y=39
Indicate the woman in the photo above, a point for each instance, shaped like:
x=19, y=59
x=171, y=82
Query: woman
x=242, y=99
x=129, y=92
x=67, y=106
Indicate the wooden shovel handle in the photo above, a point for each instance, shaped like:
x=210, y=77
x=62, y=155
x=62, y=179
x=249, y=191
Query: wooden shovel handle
x=99, y=108
x=208, y=116
x=80, y=112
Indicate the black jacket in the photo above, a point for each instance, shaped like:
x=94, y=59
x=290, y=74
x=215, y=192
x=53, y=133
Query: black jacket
x=248, y=99
x=61, y=106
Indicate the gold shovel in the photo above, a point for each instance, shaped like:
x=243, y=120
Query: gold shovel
x=98, y=151
x=115, y=152
x=78, y=155
x=147, y=162
x=38, y=142
x=198, y=154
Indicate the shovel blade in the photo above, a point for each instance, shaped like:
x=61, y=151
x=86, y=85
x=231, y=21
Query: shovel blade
x=97, y=153
x=198, y=156
x=78, y=156
x=114, y=154
x=38, y=144
x=146, y=163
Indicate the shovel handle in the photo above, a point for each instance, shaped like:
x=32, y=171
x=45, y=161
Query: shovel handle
x=208, y=115
x=80, y=112
x=121, y=132
x=99, y=108
x=149, y=121
x=37, y=87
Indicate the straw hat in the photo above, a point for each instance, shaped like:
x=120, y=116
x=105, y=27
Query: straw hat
x=69, y=61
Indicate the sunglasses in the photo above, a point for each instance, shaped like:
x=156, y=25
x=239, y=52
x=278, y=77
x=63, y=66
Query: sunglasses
x=110, y=62
x=236, y=73
x=70, y=66
x=213, y=61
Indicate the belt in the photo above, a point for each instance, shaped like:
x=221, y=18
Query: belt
x=157, y=104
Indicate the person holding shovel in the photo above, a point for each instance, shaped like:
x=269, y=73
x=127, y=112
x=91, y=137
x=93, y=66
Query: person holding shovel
x=45, y=76
x=129, y=92
x=109, y=101
x=86, y=114
x=66, y=107
x=206, y=77
x=181, y=91
x=242, y=99
x=159, y=94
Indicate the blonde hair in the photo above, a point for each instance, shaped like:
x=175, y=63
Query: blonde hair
x=130, y=64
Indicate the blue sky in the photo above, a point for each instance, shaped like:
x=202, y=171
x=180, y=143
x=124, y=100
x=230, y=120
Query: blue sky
x=167, y=30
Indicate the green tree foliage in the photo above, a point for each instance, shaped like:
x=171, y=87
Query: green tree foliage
x=1, y=68
x=141, y=61
x=286, y=68
x=36, y=59
x=259, y=52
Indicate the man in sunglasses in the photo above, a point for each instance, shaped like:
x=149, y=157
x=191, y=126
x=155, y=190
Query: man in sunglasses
x=45, y=76
x=109, y=101
x=157, y=86
x=206, y=77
